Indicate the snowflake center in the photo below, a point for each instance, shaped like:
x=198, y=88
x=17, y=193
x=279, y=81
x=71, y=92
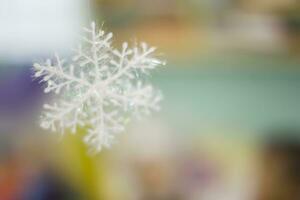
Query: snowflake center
x=100, y=90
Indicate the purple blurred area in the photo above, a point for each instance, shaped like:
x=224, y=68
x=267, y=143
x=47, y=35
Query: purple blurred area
x=20, y=96
x=18, y=91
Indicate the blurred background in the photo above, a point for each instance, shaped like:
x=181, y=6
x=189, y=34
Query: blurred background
x=230, y=120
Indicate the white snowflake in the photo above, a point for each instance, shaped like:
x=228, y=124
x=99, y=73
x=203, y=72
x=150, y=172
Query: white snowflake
x=99, y=89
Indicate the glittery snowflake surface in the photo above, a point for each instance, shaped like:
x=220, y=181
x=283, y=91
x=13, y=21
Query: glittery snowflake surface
x=100, y=88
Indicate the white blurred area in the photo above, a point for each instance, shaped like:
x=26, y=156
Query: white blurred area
x=38, y=27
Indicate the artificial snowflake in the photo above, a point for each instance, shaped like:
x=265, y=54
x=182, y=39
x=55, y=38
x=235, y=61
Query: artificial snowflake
x=99, y=88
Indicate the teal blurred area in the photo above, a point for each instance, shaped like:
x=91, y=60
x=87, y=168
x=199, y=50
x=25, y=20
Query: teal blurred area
x=253, y=91
x=229, y=125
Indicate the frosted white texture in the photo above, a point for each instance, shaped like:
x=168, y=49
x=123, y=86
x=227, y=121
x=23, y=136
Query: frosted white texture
x=100, y=88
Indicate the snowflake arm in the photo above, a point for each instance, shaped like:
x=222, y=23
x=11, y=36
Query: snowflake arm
x=140, y=98
x=64, y=115
x=58, y=77
x=131, y=61
x=97, y=53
